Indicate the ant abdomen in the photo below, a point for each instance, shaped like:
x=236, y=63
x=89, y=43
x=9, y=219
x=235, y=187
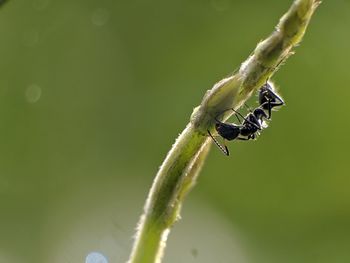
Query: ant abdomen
x=227, y=131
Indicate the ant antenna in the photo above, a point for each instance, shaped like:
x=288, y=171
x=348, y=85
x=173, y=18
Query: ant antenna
x=224, y=150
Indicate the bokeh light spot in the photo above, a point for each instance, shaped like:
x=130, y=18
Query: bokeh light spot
x=33, y=93
x=100, y=17
x=194, y=252
x=96, y=257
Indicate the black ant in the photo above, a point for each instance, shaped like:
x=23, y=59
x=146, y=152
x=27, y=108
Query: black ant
x=268, y=98
x=253, y=122
x=247, y=131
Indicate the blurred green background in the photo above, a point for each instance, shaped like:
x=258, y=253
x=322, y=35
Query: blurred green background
x=93, y=94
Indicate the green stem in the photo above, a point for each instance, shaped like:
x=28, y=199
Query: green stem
x=182, y=165
x=172, y=182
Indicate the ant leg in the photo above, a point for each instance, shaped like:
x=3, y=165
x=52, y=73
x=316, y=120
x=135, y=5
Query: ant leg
x=250, y=137
x=223, y=149
x=277, y=103
x=242, y=139
x=226, y=149
x=269, y=110
x=216, y=118
x=270, y=106
x=268, y=103
x=274, y=104
x=278, y=98
x=236, y=112
x=239, y=120
x=252, y=123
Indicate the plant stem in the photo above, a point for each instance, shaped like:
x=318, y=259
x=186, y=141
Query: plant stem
x=182, y=165
x=174, y=179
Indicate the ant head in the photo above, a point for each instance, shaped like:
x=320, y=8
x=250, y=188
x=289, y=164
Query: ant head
x=267, y=93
